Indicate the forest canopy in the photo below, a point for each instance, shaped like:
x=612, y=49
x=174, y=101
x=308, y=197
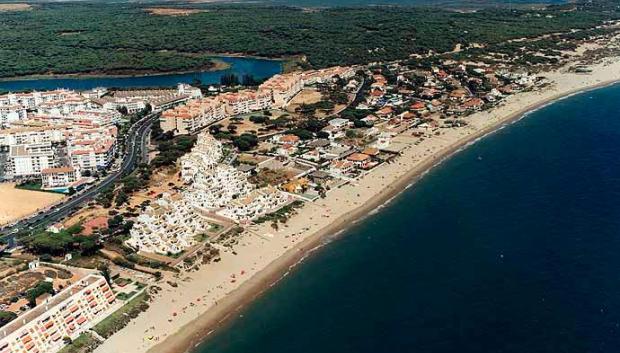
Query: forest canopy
x=124, y=38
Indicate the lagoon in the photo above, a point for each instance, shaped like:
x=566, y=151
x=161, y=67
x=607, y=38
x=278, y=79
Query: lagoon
x=259, y=68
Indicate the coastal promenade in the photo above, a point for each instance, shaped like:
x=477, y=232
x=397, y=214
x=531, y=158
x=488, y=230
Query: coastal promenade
x=217, y=292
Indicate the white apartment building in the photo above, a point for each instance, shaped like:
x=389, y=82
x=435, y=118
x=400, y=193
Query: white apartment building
x=26, y=135
x=171, y=225
x=311, y=77
x=211, y=185
x=255, y=204
x=93, y=148
x=61, y=177
x=81, y=144
x=204, y=157
x=32, y=100
x=65, y=106
x=276, y=92
x=167, y=227
x=95, y=117
x=11, y=113
x=216, y=188
x=28, y=160
x=69, y=313
x=92, y=155
x=192, y=92
x=133, y=105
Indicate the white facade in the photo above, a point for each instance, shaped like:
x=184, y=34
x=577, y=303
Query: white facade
x=171, y=225
x=283, y=87
x=59, y=177
x=29, y=159
x=11, y=113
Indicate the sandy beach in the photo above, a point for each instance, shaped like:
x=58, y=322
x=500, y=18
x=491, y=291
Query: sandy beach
x=180, y=317
x=23, y=202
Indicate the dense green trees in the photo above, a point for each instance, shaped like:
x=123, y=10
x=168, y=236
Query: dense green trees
x=245, y=142
x=39, y=289
x=122, y=37
x=68, y=240
x=171, y=150
x=6, y=317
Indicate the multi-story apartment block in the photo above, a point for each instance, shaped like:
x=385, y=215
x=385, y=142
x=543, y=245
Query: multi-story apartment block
x=92, y=149
x=275, y=92
x=216, y=188
x=28, y=160
x=256, y=203
x=26, y=135
x=92, y=155
x=95, y=117
x=32, y=100
x=64, y=107
x=193, y=116
x=69, y=313
x=311, y=77
x=133, y=105
x=205, y=155
x=283, y=88
x=246, y=101
x=11, y=113
x=167, y=227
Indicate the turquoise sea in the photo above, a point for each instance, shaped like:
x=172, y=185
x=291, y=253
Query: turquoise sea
x=510, y=246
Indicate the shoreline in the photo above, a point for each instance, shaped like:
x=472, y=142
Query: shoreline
x=207, y=299
x=217, y=317
x=219, y=65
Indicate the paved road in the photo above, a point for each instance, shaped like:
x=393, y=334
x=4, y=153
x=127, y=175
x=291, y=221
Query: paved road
x=136, y=146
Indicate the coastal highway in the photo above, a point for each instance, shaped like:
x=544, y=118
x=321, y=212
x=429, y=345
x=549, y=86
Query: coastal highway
x=136, y=146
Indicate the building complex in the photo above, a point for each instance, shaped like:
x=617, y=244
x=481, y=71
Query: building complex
x=69, y=313
x=276, y=92
x=214, y=190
